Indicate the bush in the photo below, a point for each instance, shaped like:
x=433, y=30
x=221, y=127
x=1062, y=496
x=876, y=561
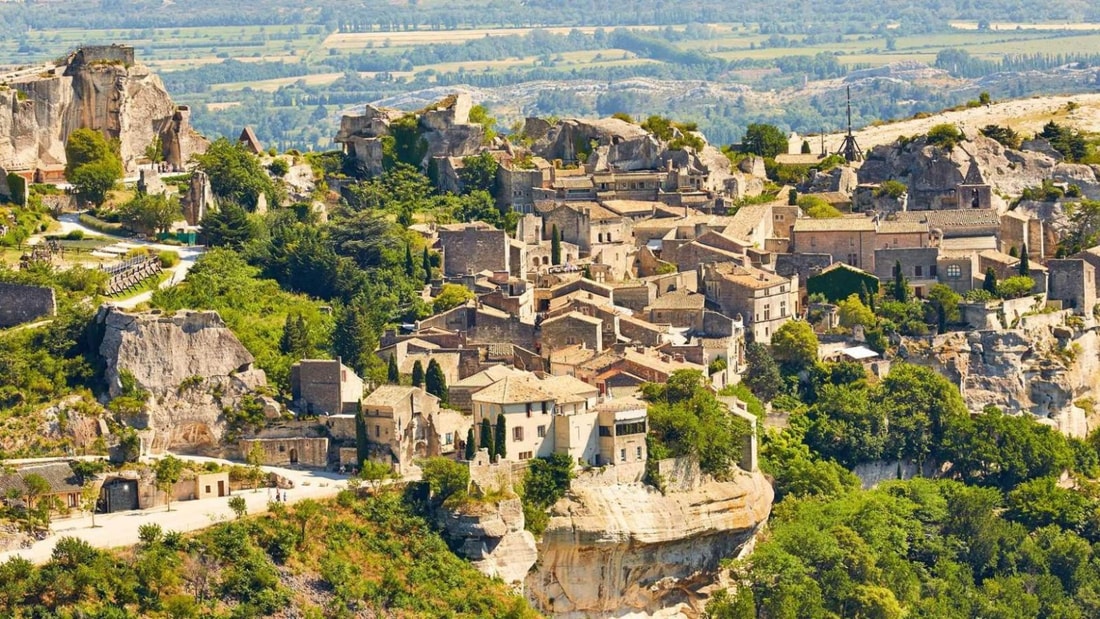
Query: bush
x=74, y=235
x=945, y=135
x=168, y=259
x=1015, y=287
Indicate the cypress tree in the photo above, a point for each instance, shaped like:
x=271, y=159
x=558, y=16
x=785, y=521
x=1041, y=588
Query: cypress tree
x=990, y=283
x=287, y=341
x=792, y=197
x=362, y=442
x=471, y=449
x=418, y=374
x=435, y=382
x=1025, y=268
x=392, y=375
x=1012, y=251
x=901, y=287
x=410, y=266
x=555, y=245
x=486, y=438
x=426, y=264
x=501, y=448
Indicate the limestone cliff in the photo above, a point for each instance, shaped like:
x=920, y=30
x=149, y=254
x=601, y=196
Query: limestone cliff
x=614, y=550
x=191, y=365
x=94, y=88
x=1043, y=366
x=492, y=537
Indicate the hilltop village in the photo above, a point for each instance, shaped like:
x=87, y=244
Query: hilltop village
x=621, y=267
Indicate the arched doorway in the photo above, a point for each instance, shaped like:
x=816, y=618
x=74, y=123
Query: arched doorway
x=293, y=456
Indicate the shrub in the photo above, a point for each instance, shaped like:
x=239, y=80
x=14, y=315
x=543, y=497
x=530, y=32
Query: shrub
x=945, y=135
x=168, y=259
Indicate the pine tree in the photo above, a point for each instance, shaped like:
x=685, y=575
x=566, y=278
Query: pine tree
x=410, y=266
x=500, y=450
x=555, y=245
x=426, y=265
x=486, y=439
x=435, y=382
x=353, y=338
x=901, y=287
x=291, y=341
x=990, y=283
x=471, y=449
x=1025, y=268
x=392, y=375
x=418, y=374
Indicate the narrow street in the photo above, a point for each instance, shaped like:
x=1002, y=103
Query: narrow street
x=121, y=529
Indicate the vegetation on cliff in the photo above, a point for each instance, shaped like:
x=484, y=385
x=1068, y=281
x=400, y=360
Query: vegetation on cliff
x=347, y=557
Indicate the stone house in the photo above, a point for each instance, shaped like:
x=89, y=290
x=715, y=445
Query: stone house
x=919, y=265
x=299, y=451
x=1073, y=282
x=325, y=387
x=473, y=248
x=680, y=309
x=839, y=280
x=64, y=486
x=764, y=300
x=846, y=239
x=460, y=393
x=404, y=424
x=623, y=426
x=586, y=224
x=572, y=328
x=517, y=182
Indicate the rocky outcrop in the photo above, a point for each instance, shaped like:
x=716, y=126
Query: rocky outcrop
x=191, y=365
x=94, y=88
x=492, y=537
x=1043, y=367
x=614, y=550
x=443, y=127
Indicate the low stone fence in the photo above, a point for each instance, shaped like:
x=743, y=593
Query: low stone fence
x=629, y=473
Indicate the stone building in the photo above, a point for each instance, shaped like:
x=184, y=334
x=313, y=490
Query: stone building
x=325, y=387
x=473, y=248
x=572, y=328
x=404, y=424
x=586, y=224
x=1073, y=282
x=762, y=299
x=63, y=485
x=623, y=426
x=311, y=452
x=846, y=239
x=919, y=265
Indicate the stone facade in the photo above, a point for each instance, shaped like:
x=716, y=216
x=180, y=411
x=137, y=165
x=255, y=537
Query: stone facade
x=325, y=387
x=572, y=328
x=472, y=248
x=20, y=304
x=848, y=239
x=310, y=452
x=404, y=424
x=763, y=300
x=1073, y=282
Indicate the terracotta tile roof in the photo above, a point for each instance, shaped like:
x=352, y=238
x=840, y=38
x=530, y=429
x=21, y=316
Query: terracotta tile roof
x=957, y=218
x=488, y=376
x=513, y=390
x=749, y=277
x=902, y=227
x=58, y=474
x=567, y=389
x=856, y=223
x=630, y=207
x=575, y=316
x=388, y=395
x=680, y=299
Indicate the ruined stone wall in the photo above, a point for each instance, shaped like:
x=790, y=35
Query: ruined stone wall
x=19, y=304
x=1073, y=283
x=473, y=250
x=312, y=452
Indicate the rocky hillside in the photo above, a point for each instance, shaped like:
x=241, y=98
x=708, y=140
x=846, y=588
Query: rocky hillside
x=189, y=364
x=124, y=100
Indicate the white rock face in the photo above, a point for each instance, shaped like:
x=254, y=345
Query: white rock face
x=493, y=538
x=627, y=550
x=191, y=364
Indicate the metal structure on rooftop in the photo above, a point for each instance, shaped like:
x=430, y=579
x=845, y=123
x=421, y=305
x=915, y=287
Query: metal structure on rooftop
x=849, y=149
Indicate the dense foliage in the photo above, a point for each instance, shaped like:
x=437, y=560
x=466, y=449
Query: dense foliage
x=370, y=556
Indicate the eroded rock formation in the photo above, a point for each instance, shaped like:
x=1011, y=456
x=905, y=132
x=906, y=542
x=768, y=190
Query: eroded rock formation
x=99, y=88
x=614, y=550
x=191, y=365
x=492, y=537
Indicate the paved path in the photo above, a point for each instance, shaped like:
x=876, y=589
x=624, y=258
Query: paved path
x=121, y=529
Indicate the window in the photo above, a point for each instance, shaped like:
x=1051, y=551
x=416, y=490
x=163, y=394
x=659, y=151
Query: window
x=622, y=455
x=813, y=242
x=282, y=448
x=449, y=438
x=377, y=431
x=782, y=309
x=542, y=431
x=545, y=408
x=605, y=431
x=517, y=433
x=639, y=451
x=634, y=427
x=528, y=409
x=931, y=270
x=917, y=271
x=208, y=490
x=953, y=271
x=851, y=242
x=525, y=455
x=767, y=311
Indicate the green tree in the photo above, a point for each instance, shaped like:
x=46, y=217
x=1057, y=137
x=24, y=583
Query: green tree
x=236, y=174
x=853, y=312
x=354, y=337
x=362, y=437
x=485, y=441
x=93, y=181
x=989, y=284
x=762, y=374
x=945, y=303
x=376, y=474
x=418, y=374
x=227, y=225
x=555, y=245
x=945, y=135
x=806, y=150
x=792, y=197
x=545, y=483
x=1005, y=135
x=426, y=266
x=1015, y=287
x=256, y=457
x=500, y=448
x=238, y=505
x=479, y=173
x=795, y=343
x=435, y=382
x=393, y=376
x=471, y=446
x=295, y=339
x=446, y=479
x=764, y=140
x=278, y=168
x=168, y=471
x=305, y=512
x=901, y=286
x=451, y=296
x=410, y=266
x=1024, y=267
